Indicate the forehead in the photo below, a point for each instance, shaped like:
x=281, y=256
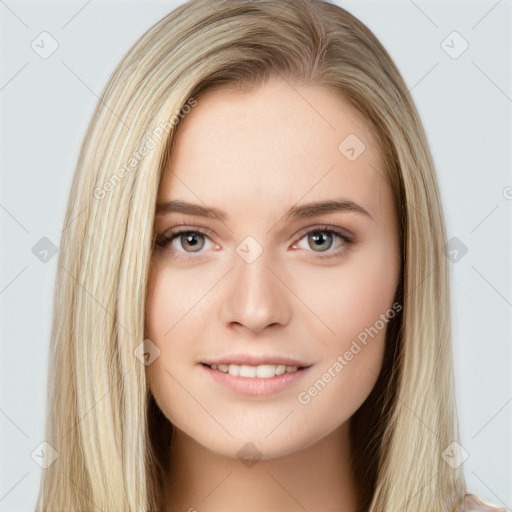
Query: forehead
x=262, y=150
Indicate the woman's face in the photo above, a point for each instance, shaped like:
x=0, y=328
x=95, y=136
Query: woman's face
x=294, y=270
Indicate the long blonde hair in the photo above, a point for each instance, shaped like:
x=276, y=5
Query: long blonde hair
x=101, y=419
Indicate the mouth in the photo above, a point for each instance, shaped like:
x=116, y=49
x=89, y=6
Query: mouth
x=261, y=371
x=256, y=376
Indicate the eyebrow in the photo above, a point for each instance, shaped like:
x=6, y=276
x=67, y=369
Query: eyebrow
x=296, y=212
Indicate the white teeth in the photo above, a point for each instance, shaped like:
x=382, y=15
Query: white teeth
x=262, y=371
x=247, y=371
x=280, y=369
x=234, y=370
x=265, y=371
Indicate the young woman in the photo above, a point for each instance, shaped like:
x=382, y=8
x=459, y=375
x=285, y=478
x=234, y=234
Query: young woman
x=252, y=302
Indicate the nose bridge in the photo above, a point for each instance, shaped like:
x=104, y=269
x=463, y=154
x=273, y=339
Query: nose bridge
x=256, y=298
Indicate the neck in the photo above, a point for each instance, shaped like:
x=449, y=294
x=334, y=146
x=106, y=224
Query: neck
x=318, y=477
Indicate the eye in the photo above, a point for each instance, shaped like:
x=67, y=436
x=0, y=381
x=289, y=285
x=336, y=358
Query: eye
x=322, y=239
x=185, y=242
x=189, y=243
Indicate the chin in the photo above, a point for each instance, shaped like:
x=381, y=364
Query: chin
x=257, y=446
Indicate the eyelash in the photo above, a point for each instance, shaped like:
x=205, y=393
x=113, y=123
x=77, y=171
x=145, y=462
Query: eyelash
x=163, y=242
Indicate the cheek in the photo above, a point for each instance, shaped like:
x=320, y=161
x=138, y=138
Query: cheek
x=166, y=308
x=355, y=308
x=335, y=392
x=172, y=296
x=177, y=308
x=352, y=299
x=175, y=311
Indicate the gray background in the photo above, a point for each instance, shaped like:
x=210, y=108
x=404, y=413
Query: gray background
x=465, y=103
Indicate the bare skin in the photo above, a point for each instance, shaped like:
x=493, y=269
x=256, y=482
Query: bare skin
x=307, y=294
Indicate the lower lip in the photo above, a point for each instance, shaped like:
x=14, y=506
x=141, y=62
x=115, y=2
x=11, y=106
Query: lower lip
x=256, y=386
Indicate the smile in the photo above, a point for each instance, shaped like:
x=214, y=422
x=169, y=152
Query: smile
x=255, y=380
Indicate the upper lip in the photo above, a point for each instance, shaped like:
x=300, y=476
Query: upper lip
x=255, y=360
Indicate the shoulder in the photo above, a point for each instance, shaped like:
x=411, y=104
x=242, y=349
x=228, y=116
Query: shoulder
x=472, y=503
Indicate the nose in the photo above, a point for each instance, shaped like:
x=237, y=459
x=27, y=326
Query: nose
x=255, y=297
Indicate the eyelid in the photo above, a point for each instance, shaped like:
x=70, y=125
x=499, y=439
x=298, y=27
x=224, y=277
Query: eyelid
x=171, y=234
x=183, y=228
x=304, y=231
x=342, y=232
